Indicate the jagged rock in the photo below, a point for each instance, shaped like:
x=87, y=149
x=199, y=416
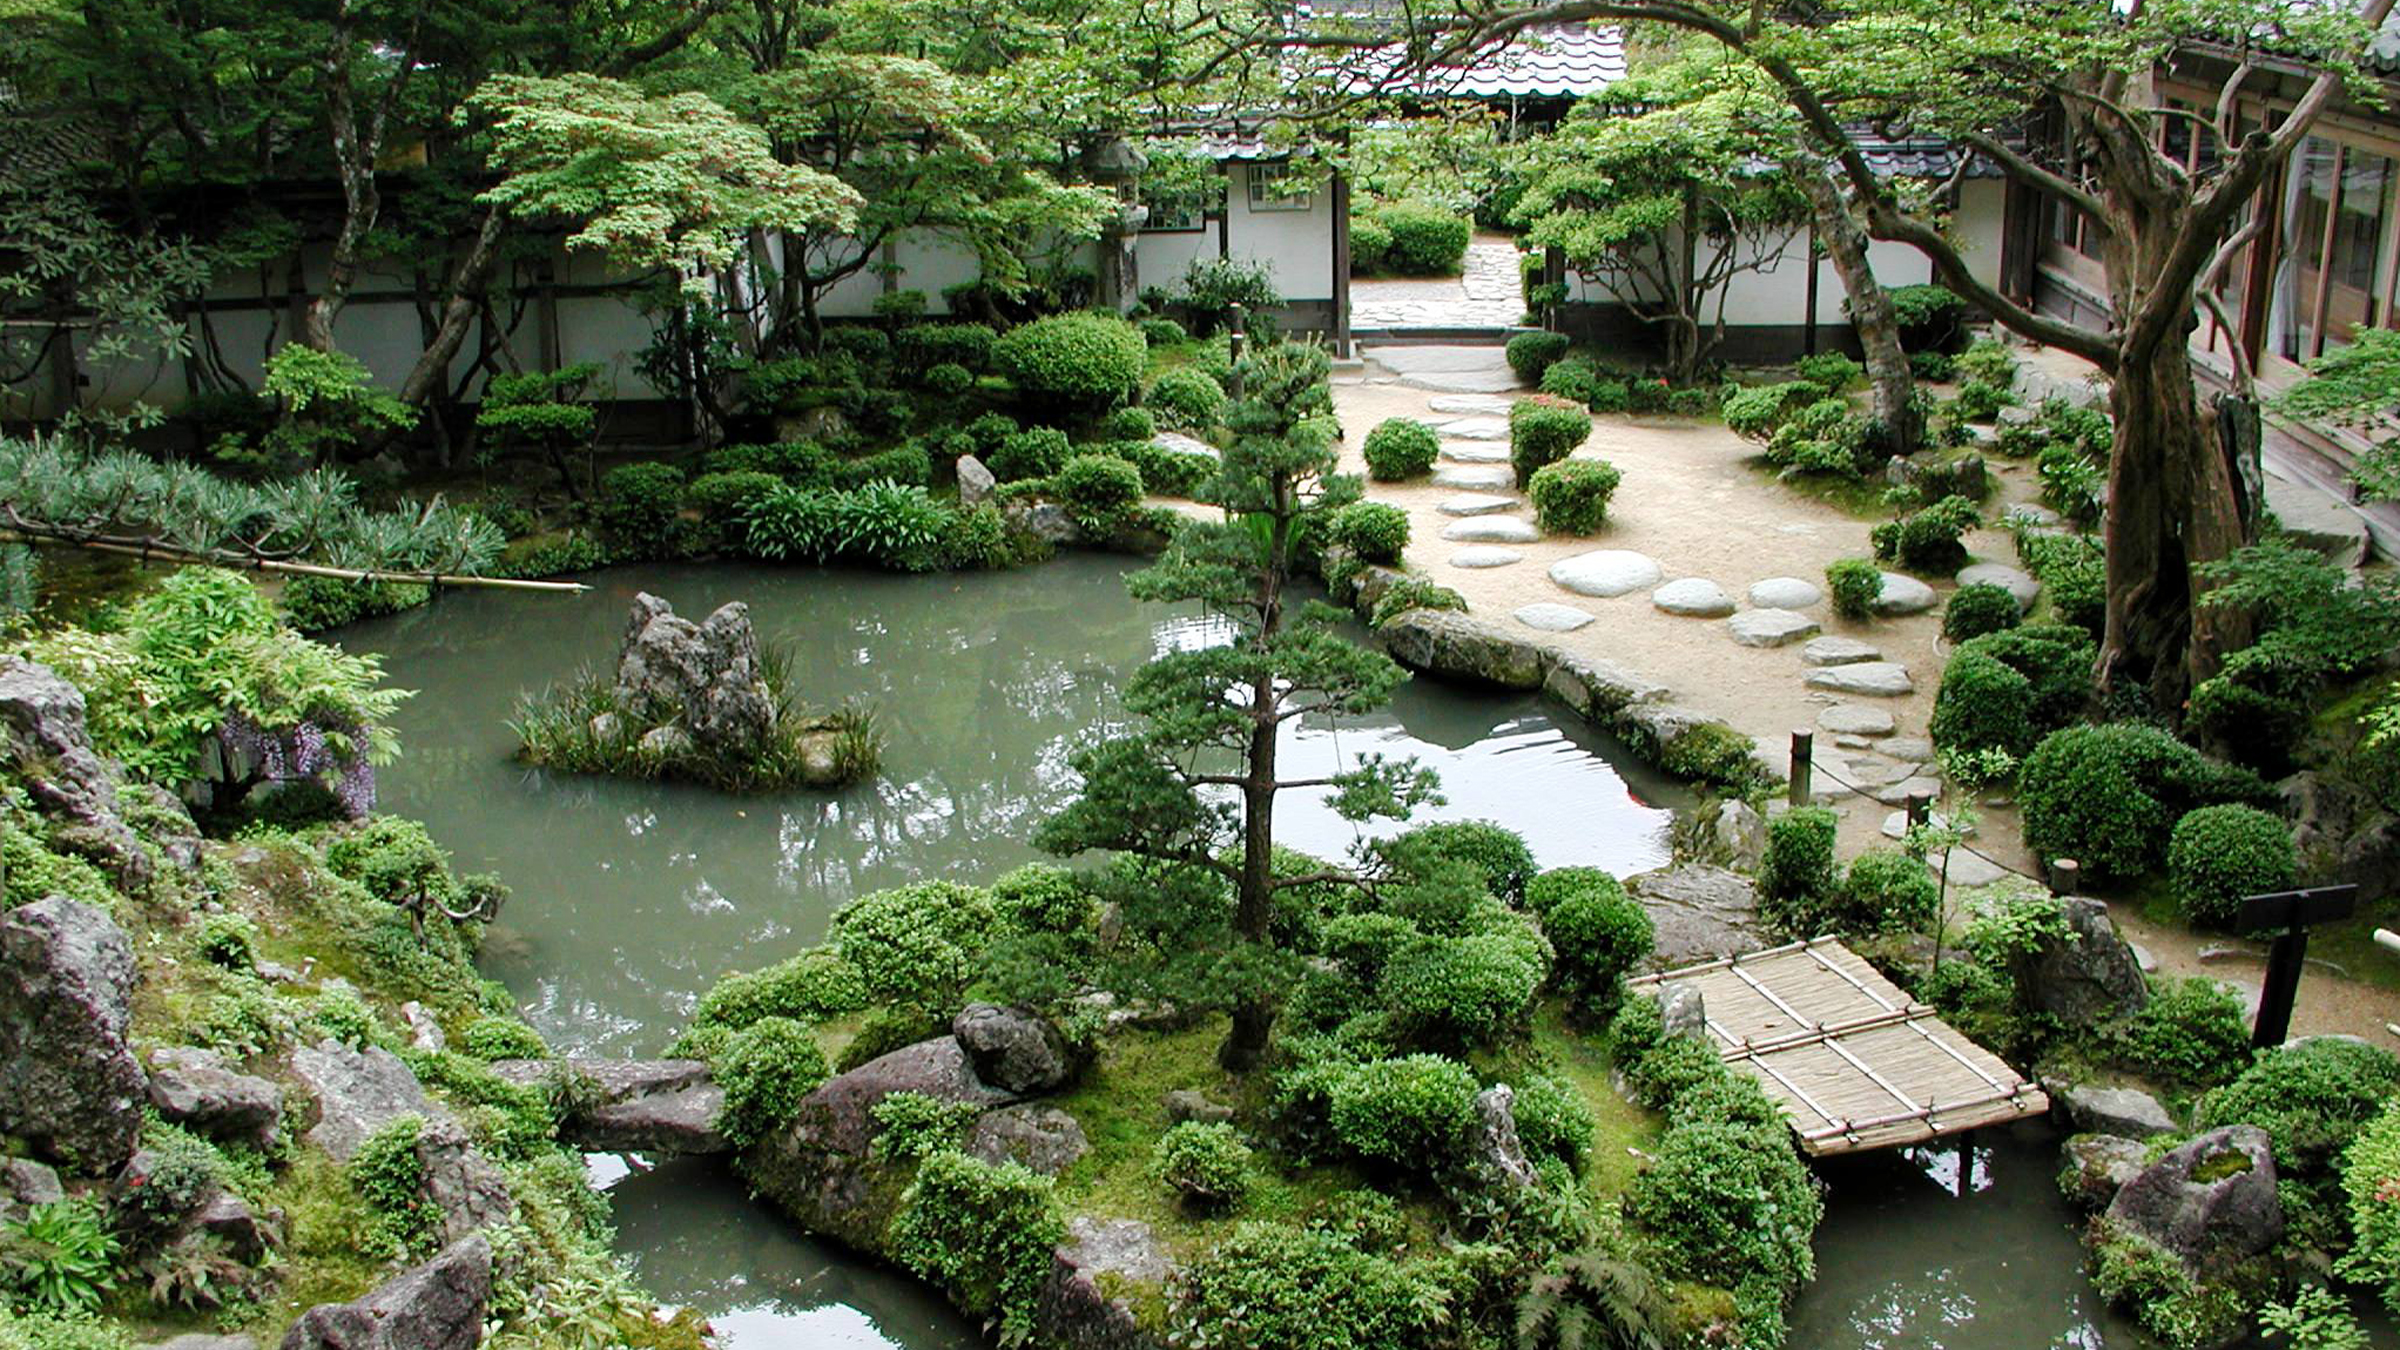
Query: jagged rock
x=638, y=1105
x=1046, y=521
x=1899, y=595
x=1784, y=593
x=196, y=1088
x=2114, y=1110
x=1496, y=1157
x=247, y=1235
x=975, y=482
x=68, y=1081
x=1606, y=572
x=1447, y=642
x=357, y=1092
x=437, y=1306
x=1014, y=1050
x=1693, y=597
x=1770, y=627
x=459, y=1182
x=30, y=1183
x=1550, y=617
x=424, y=1030
x=2211, y=1202
x=1878, y=679
x=2097, y=1166
x=1190, y=1104
x=706, y=676
x=668, y=742
x=1043, y=1138
x=44, y=739
x=2086, y=978
x=1084, y=1304
x=1741, y=833
x=1699, y=912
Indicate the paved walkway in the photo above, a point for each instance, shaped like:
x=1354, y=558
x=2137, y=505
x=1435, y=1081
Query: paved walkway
x=1486, y=294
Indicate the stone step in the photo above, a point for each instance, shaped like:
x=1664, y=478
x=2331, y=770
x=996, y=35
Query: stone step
x=1462, y=405
x=1475, y=452
x=1485, y=556
x=1475, y=477
x=1606, y=572
x=1492, y=530
x=1477, y=504
x=1770, y=627
x=1784, y=593
x=1693, y=597
x=1877, y=679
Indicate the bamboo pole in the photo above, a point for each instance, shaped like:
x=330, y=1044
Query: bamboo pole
x=169, y=553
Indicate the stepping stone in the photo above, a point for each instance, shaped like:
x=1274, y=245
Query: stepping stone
x=1478, y=478
x=1899, y=793
x=2029, y=513
x=2007, y=578
x=1694, y=597
x=1551, y=617
x=1606, y=572
x=1464, y=381
x=1770, y=627
x=1475, y=452
x=1856, y=719
x=1835, y=650
x=1485, y=557
x=1477, y=504
x=1869, y=774
x=1881, y=679
x=1914, y=749
x=1973, y=869
x=1450, y=369
x=1784, y=593
x=1902, y=595
x=1492, y=530
x=1895, y=825
x=1459, y=405
x=1475, y=429
x=1853, y=742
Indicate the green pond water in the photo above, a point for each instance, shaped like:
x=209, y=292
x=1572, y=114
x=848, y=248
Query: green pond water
x=631, y=899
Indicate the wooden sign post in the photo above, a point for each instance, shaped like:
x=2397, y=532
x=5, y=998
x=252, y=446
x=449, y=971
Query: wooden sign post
x=2289, y=915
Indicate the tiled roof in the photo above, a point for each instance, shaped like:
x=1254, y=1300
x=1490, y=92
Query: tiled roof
x=1563, y=61
x=1902, y=157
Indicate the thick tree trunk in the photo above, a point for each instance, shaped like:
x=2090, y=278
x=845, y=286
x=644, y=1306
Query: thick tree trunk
x=1254, y=897
x=467, y=279
x=1890, y=384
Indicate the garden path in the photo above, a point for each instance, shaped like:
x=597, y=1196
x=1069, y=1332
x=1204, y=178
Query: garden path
x=1484, y=295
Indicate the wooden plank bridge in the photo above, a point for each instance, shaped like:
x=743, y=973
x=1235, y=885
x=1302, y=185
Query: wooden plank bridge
x=1855, y=1063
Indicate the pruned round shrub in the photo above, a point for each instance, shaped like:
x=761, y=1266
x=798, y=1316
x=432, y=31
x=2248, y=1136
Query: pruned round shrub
x=1426, y=240
x=919, y=943
x=1370, y=244
x=2192, y=1032
x=1854, y=584
x=1409, y=1113
x=1887, y=891
x=808, y=987
x=1573, y=378
x=922, y=346
x=2107, y=796
x=1037, y=452
x=1186, y=398
x=1204, y=1162
x=1400, y=447
x=638, y=507
x=1271, y=1286
x=1760, y=410
x=723, y=499
x=1494, y=850
x=1554, y=1121
x=1977, y=609
x=1597, y=933
x=1465, y=992
x=2218, y=854
x=949, y=379
x=502, y=1038
x=1833, y=372
x=1532, y=354
x=1796, y=877
x=2311, y=1097
x=1543, y=430
x=1073, y=358
x=1982, y=704
x=1571, y=496
x=1162, y=332
x=1129, y=424
x=1928, y=539
x=1375, y=532
x=1729, y=1204
x=1098, y=491
x=2055, y=660
x=764, y=1070
x=985, y=1233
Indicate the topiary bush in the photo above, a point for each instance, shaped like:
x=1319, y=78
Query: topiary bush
x=1887, y=891
x=1928, y=540
x=1035, y=453
x=1375, y=532
x=638, y=509
x=1854, y=584
x=1162, y=332
x=811, y=986
x=1498, y=853
x=2370, y=1180
x=1598, y=933
x=1370, y=244
x=1463, y=992
x=1532, y=354
x=985, y=1233
x=1761, y=410
x=2312, y=1098
x=1408, y=1113
x=2108, y=796
x=1977, y=609
x=764, y=1070
x=948, y=380
x=1983, y=704
x=1098, y=491
x=2218, y=854
x=919, y=943
x=1129, y=424
x=1426, y=240
x=1796, y=878
x=1543, y=430
x=1187, y=399
x=1075, y=359
x=1554, y=1121
x=1571, y=496
x=1206, y=1163
x=922, y=346
x=1399, y=448
x=2192, y=1033
x=1833, y=372
x=1273, y=1286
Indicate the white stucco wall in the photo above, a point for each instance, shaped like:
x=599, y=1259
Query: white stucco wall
x=1297, y=245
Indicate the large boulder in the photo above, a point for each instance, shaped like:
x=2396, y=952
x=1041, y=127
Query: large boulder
x=436, y=1306
x=1043, y=1138
x=1496, y=1158
x=706, y=676
x=1095, y=1276
x=1455, y=646
x=2211, y=1202
x=196, y=1088
x=357, y=1092
x=1699, y=912
x=1012, y=1049
x=459, y=1182
x=45, y=740
x=2086, y=977
x=636, y=1105
x=68, y=1081
x=2097, y=1166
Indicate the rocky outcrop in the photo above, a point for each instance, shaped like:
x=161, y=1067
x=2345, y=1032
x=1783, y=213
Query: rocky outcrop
x=1682, y=1012
x=1699, y=912
x=2341, y=836
x=196, y=1088
x=2211, y=1202
x=1496, y=1158
x=975, y=482
x=1077, y=1311
x=1461, y=647
x=1043, y=1138
x=704, y=680
x=2130, y=1112
x=45, y=740
x=69, y=1083
x=248, y=1235
x=637, y=1105
x=2087, y=977
x=1190, y=1104
x=357, y=1092
x=2096, y=1166
x=1014, y=1050
x=459, y=1182
x=436, y=1306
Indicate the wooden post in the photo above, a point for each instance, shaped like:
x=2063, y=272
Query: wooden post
x=2066, y=875
x=1340, y=205
x=1920, y=809
x=2291, y=914
x=1803, y=765
x=1239, y=327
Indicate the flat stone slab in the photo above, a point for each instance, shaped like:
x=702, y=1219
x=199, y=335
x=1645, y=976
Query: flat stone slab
x=1897, y=794
x=1770, y=627
x=1477, y=504
x=1492, y=530
x=1693, y=597
x=1857, y=719
x=1965, y=869
x=1475, y=429
x=1895, y=826
x=1606, y=572
x=1424, y=358
x=1485, y=556
x=1551, y=617
x=1465, y=381
x=1903, y=595
x=1879, y=679
x=1476, y=478
x=1913, y=749
x=1835, y=650
x=1475, y=452
x=1784, y=593
x=2007, y=578
x=2029, y=513
x=1460, y=405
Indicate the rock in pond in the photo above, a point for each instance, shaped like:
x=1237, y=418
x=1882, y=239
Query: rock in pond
x=69, y=1083
x=1446, y=642
x=2211, y=1202
x=436, y=1306
x=706, y=676
x=2125, y=1111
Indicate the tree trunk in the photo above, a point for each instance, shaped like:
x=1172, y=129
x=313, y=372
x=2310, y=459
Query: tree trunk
x=1890, y=383
x=1254, y=896
x=458, y=311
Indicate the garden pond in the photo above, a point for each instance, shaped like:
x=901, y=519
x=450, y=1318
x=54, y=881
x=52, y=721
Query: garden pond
x=633, y=898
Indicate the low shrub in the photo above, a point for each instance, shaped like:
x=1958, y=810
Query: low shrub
x=1885, y=891
x=1426, y=240
x=1979, y=400
x=888, y=1027
x=1412, y=592
x=1034, y=453
x=1272, y=1286
x=948, y=380
x=1833, y=372
x=1928, y=315
x=1927, y=540
x=1730, y=1205
x=1932, y=367
x=1854, y=584
x=1186, y=399
x=1983, y=704
x=638, y=506
x=1716, y=754
x=1571, y=496
x=1796, y=878
x=1098, y=491
x=314, y=604
x=2192, y=1033
x=1375, y=532
x=1211, y=287
x=2370, y=1181
x=1598, y=933
x=1162, y=332
x=1399, y=448
x=922, y=346
x=1543, y=430
x=1206, y=1163
x=1074, y=359
x=919, y=943
x=765, y=1069
x=1532, y=354
x=1407, y=1113
x=2216, y=855
x=906, y=465
x=809, y=987
x=723, y=501
x=1573, y=378
x=1554, y=1121
x=2055, y=659
x=1463, y=992
x=489, y=1038
x=1989, y=360
x=1499, y=854
x=915, y=1125
x=1760, y=410
x=2312, y=1097
x=1370, y=244
x=1172, y=473
x=2108, y=796
x=985, y=1234
x=1129, y=424
x=1977, y=609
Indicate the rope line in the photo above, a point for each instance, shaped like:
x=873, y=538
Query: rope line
x=1817, y=769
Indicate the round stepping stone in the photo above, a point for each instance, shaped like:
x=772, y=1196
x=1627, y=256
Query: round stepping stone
x=2007, y=578
x=1693, y=597
x=1475, y=452
x=1475, y=429
x=1469, y=404
x=1902, y=595
x=1913, y=749
x=1477, y=477
x=1492, y=530
x=1856, y=719
x=1551, y=617
x=1477, y=504
x=1784, y=593
x=1606, y=572
x=2029, y=513
x=1769, y=627
x=1879, y=679
x=1835, y=650
x=1899, y=794
x=1485, y=557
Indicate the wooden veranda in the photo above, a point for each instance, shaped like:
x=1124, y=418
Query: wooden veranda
x=1855, y=1063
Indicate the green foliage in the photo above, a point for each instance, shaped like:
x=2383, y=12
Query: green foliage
x=1727, y=1207
x=2316, y=1318
x=1413, y=592
x=1399, y=448
x=389, y=1175
x=1187, y=399
x=1598, y=934
x=1499, y=855
x=59, y=1258
x=949, y=380
x=1211, y=287
x=1099, y=492
x=1270, y=1286
x=1374, y=532
x=2184, y=1312
x=1543, y=430
x=1426, y=240
x=2356, y=383
x=1854, y=583
x=1824, y=437
x=1978, y=609
x=1532, y=354
x=1989, y=360
x=2107, y=796
x=229, y=940
x=1759, y=411
x=1928, y=315
x=1037, y=452
x=1797, y=878
x=922, y=346
x=489, y=1038
x=918, y=1126
x=1129, y=424
x=1162, y=332
x=1370, y=244
x=1406, y=1114
x=1887, y=890
x=2311, y=1097
x=2371, y=1190
x=1170, y=473
x=1554, y=1121
x=2192, y=1032
x=314, y=604
x=639, y=509
x=983, y=1233
x=1983, y=704
x=1833, y=372
x=888, y=525
x=1073, y=359
x=2216, y=855
x=1205, y=1163
x=1713, y=753
x=1467, y=991
x=919, y=943
x=811, y=986
x=1932, y=367
x=765, y=1069
x=1927, y=540
x=1571, y=496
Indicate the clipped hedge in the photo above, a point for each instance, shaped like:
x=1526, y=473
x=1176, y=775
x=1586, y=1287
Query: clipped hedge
x=1543, y=430
x=2108, y=796
x=2218, y=854
x=1571, y=496
x=1426, y=240
x=1187, y=399
x=1399, y=448
x=1532, y=354
x=1375, y=532
x=1073, y=358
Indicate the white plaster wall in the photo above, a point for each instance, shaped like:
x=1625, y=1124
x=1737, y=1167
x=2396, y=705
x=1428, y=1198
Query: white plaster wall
x=1978, y=226
x=1161, y=257
x=1298, y=245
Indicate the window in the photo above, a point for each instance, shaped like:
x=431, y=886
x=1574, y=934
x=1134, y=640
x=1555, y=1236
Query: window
x=2355, y=261
x=1278, y=187
x=1175, y=213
